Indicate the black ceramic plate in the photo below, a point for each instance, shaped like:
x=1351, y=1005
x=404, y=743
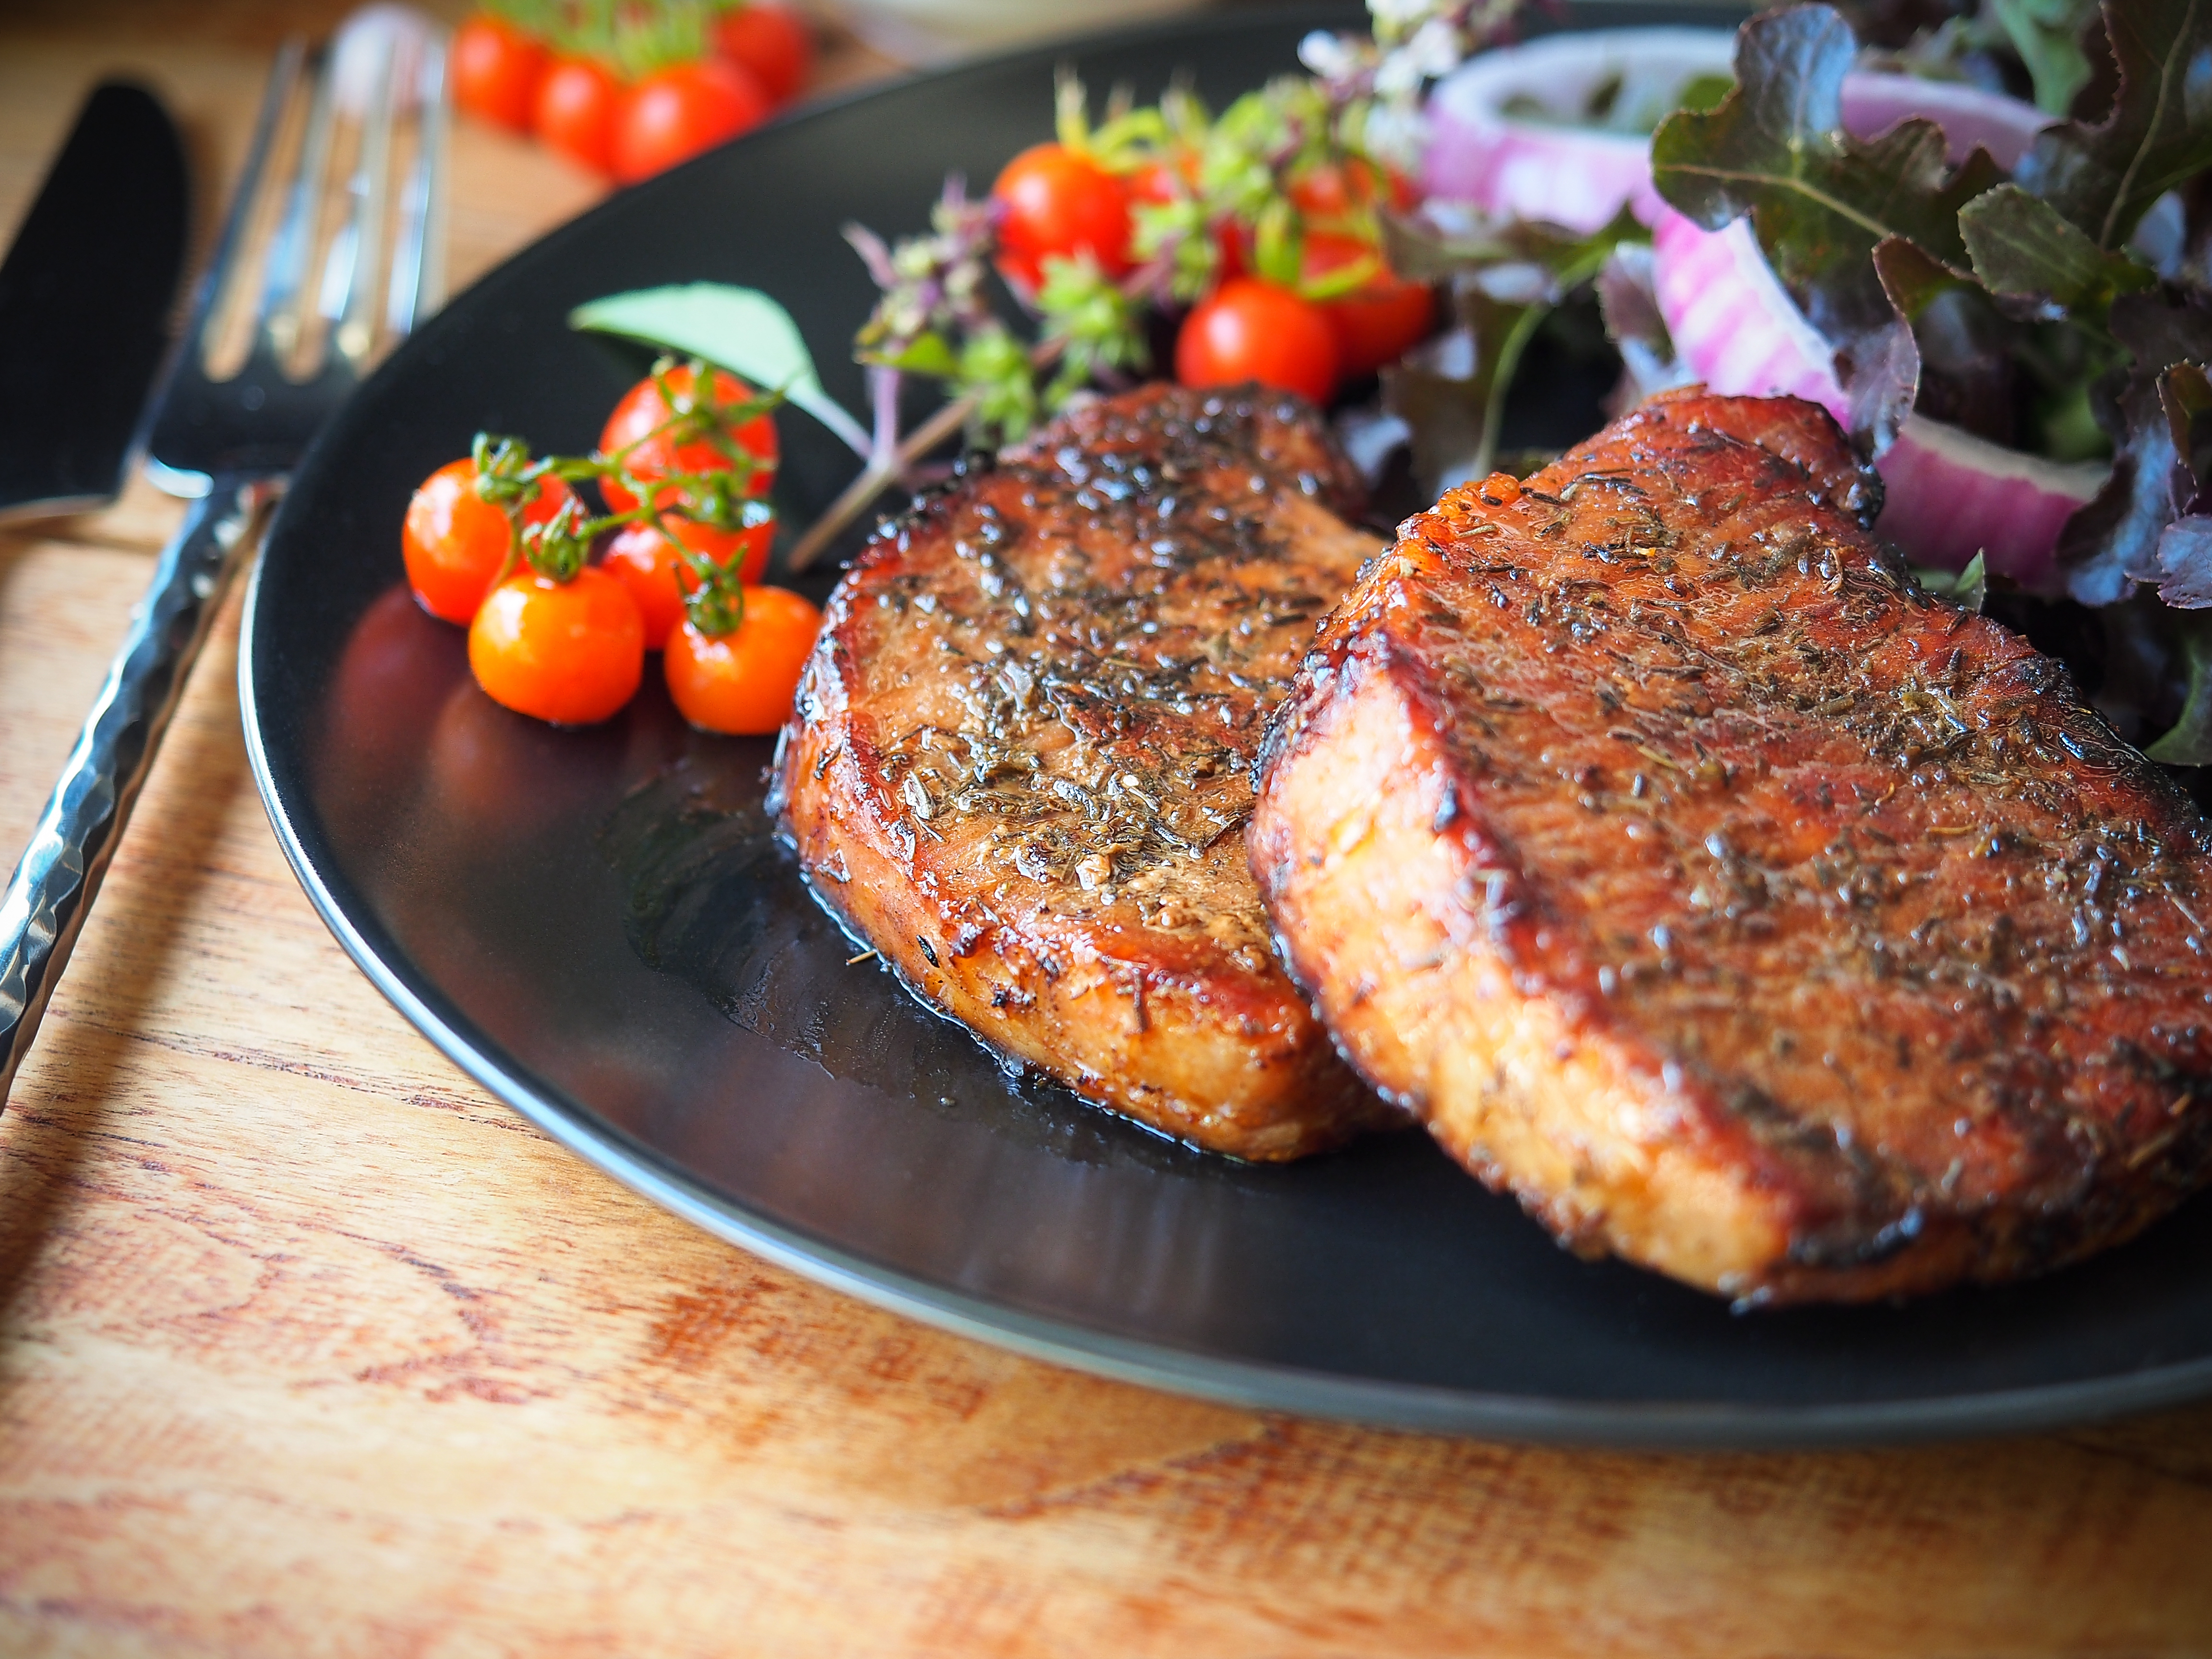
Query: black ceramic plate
x=591, y=924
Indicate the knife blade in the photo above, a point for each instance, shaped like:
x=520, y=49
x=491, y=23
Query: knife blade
x=85, y=294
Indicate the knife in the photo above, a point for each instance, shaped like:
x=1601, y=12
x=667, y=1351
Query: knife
x=84, y=304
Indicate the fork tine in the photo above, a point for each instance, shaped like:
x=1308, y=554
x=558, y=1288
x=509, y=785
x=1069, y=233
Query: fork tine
x=349, y=273
x=226, y=267
x=418, y=277
x=278, y=318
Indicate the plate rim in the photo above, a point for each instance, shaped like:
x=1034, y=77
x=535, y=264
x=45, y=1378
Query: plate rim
x=1714, y=1426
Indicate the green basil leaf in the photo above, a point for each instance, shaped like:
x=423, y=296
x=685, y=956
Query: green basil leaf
x=739, y=329
x=929, y=354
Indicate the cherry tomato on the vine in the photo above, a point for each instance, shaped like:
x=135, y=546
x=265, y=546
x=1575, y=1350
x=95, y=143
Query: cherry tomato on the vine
x=496, y=68
x=648, y=563
x=571, y=652
x=1059, y=204
x=575, y=112
x=1247, y=330
x=772, y=41
x=741, y=682
x=1337, y=190
x=1155, y=183
x=675, y=113
x=455, y=542
x=643, y=411
x=1378, y=321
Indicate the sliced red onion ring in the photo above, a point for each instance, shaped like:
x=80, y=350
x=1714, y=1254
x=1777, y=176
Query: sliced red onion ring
x=1556, y=171
x=1949, y=494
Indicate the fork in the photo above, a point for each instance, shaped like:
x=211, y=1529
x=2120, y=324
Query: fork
x=229, y=444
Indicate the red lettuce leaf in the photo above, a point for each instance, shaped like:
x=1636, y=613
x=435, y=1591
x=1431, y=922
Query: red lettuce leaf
x=2105, y=177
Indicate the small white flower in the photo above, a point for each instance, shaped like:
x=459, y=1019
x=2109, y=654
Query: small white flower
x=1396, y=133
x=1435, y=47
x=1332, y=57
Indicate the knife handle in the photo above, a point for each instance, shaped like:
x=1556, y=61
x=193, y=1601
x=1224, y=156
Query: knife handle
x=61, y=869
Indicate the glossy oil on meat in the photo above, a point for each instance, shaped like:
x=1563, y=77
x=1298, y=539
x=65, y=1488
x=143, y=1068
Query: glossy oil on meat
x=1019, y=761
x=1743, y=909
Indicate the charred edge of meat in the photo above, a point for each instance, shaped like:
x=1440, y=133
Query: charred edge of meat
x=1048, y=611
x=1858, y=1220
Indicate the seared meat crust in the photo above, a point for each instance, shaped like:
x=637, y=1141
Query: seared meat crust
x=1019, y=759
x=1743, y=909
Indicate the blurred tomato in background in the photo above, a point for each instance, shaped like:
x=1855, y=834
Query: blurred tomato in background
x=628, y=90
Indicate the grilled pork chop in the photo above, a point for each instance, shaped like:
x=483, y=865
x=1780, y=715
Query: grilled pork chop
x=1740, y=908
x=1020, y=758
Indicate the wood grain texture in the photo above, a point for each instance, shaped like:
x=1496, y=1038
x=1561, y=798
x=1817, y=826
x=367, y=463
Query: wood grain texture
x=309, y=1347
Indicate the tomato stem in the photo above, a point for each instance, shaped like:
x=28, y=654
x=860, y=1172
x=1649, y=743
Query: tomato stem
x=722, y=498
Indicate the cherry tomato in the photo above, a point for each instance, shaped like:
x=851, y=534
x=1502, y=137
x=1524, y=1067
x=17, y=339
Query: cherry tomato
x=1154, y=184
x=575, y=113
x=1334, y=191
x=645, y=561
x=570, y=652
x=741, y=682
x=1378, y=321
x=1247, y=330
x=642, y=410
x=649, y=565
x=1167, y=179
x=1059, y=204
x=675, y=112
x=772, y=41
x=455, y=542
x=496, y=68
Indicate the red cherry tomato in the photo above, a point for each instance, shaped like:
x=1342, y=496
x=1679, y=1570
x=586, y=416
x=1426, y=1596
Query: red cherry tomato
x=1377, y=322
x=571, y=652
x=772, y=41
x=675, y=112
x=455, y=542
x=643, y=409
x=1333, y=189
x=575, y=113
x=1247, y=330
x=1154, y=184
x=648, y=564
x=1059, y=204
x=741, y=682
x=496, y=68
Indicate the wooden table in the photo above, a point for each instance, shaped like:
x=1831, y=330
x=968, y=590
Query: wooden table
x=311, y=1347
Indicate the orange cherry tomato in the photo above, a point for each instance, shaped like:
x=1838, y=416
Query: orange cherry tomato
x=496, y=68
x=648, y=563
x=575, y=113
x=675, y=112
x=741, y=682
x=455, y=542
x=772, y=41
x=1059, y=205
x=1247, y=330
x=642, y=410
x=1378, y=321
x=571, y=652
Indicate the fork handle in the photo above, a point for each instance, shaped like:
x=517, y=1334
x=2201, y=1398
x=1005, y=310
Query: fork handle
x=61, y=869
